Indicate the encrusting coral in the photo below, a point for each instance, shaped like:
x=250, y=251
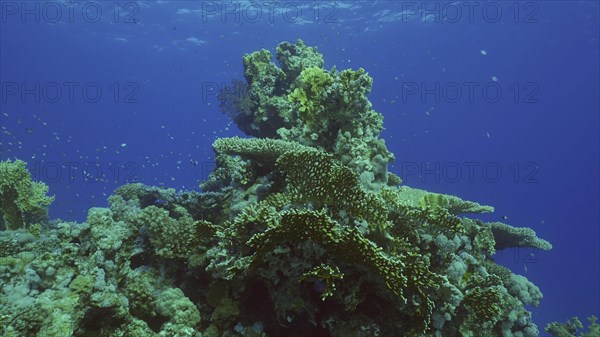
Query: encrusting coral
x=301, y=231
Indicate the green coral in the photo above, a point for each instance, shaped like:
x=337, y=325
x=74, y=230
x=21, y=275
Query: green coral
x=328, y=102
x=314, y=176
x=22, y=201
x=226, y=309
x=407, y=215
x=140, y=289
x=310, y=98
x=82, y=285
x=109, y=234
x=484, y=297
x=345, y=243
x=262, y=150
x=572, y=328
x=260, y=105
x=303, y=102
x=507, y=236
x=452, y=203
x=170, y=237
x=173, y=304
x=295, y=57
x=145, y=195
x=256, y=106
x=434, y=200
x=329, y=109
x=326, y=273
x=400, y=273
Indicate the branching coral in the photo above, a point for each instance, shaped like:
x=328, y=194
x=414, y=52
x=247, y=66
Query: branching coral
x=573, y=327
x=346, y=244
x=314, y=177
x=484, y=297
x=405, y=213
x=400, y=273
x=22, y=201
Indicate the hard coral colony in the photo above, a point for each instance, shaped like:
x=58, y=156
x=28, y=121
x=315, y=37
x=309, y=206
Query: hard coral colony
x=299, y=231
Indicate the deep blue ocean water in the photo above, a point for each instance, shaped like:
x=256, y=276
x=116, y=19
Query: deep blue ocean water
x=496, y=102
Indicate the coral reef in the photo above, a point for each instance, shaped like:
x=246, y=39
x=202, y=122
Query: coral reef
x=301, y=232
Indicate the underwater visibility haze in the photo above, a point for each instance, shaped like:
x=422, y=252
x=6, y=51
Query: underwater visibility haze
x=297, y=168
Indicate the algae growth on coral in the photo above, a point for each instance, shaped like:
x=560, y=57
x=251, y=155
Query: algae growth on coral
x=299, y=231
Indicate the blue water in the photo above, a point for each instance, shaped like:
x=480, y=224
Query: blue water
x=526, y=141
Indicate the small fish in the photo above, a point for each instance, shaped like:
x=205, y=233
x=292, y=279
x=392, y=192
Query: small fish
x=160, y=201
x=194, y=162
x=504, y=217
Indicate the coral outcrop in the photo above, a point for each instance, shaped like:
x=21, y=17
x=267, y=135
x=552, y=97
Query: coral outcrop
x=299, y=231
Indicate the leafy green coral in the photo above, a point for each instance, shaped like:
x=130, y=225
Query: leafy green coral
x=22, y=201
x=309, y=98
x=330, y=101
